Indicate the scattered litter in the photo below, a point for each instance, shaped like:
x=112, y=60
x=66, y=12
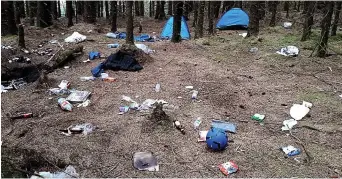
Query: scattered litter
x=117, y=35
x=64, y=104
x=144, y=48
x=123, y=109
x=20, y=116
x=290, y=150
x=179, y=97
x=178, y=126
x=58, y=91
x=148, y=103
x=25, y=51
x=104, y=75
x=298, y=111
x=145, y=161
x=78, y=96
x=157, y=88
x=228, y=168
x=89, y=31
x=93, y=55
x=289, y=51
x=75, y=38
x=113, y=45
x=217, y=139
x=109, y=79
x=287, y=25
x=3, y=90
x=194, y=94
x=202, y=136
x=340, y=95
x=87, y=78
x=288, y=124
x=64, y=84
x=20, y=59
x=66, y=67
x=69, y=172
x=128, y=99
x=189, y=87
x=253, y=50
x=258, y=117
x=84, y=129
x=53, y=41
x=84, y=104
x=6, y=47
x=197, y=123
x=86, y=61
x=243, y=34
x=223, y=125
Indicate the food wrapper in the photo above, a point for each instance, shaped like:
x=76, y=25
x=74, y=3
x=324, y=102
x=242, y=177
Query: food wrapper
x=228, y=168
x=202, y=136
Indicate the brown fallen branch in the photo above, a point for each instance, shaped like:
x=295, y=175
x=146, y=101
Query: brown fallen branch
x=62, y=57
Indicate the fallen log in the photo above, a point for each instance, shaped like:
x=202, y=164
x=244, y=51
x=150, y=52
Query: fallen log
x=61, y=57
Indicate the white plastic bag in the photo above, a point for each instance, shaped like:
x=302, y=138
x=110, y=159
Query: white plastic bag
x=289, y=51
x=75, y=38
x=298, y=111
x=69, y=172
x=144, y=48
x=287, y=25
x=288, y=124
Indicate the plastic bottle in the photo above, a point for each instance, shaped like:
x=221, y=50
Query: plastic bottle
x=113, y=45
x=64, y=104
x=87, y=78
x=157, y=89
x=197, y=123
x=194, y=95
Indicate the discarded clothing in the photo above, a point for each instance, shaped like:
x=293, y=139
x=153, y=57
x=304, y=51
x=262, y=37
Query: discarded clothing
x=116, y=35
x=226, y=126
x=96, y=71
x=144, y=38
x=93, y=55
x=289, y=51
x=75, y=38
x=121, y=61
x=144, y=48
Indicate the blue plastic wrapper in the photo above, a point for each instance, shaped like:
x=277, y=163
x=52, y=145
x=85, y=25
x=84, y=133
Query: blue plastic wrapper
x=226, y=126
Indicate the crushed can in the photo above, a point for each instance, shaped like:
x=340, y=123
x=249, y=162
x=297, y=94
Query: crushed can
x=64, y=104
x=228, y=168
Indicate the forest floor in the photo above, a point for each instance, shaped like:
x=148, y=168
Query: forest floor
x=232, y=82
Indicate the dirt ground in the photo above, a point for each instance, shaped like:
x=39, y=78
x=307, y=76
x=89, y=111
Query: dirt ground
x=232, y=83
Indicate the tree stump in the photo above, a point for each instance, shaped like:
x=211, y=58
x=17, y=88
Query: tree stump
x=21, y=35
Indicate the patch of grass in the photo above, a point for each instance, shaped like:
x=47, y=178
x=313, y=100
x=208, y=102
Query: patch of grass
x=322, y=98
x=9, y=37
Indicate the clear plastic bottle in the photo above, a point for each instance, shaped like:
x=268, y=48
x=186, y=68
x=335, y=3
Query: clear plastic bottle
x=157, y=89
x=87, y=78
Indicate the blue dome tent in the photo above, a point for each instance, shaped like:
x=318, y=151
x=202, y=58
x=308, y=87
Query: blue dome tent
x=168, y=29
x=233, y=18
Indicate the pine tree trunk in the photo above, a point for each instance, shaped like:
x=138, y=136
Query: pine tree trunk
x=17, y=12
x=176, y=34
x=69, y=12
x=142, y=8
x=199, y=25
x=308, y=22
x=54, y=10
x=211, y=17
x=59, y=9
x=123, y=8
x=156, y=16
x=129, y=26
x=216, y=8
x=298, y=6
x=262, y=10
x=253, y=28
x=44, y=18
x=27, y=9
x=273, y=7
x=162, y=14
x=186, y=11
x=98, y=11
x=136, y=8
x=106, y=9
x=33, y=9
x=336, y=18
x=238, y=4
x=150, y=9
x=21, y=42
x=169, y=7
x=89, y=15
x=22, y=9
x=325, y=29
x=194, y=22
x=101, y=8
x=114, y=12
x=12, y=27
x=286, y=8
